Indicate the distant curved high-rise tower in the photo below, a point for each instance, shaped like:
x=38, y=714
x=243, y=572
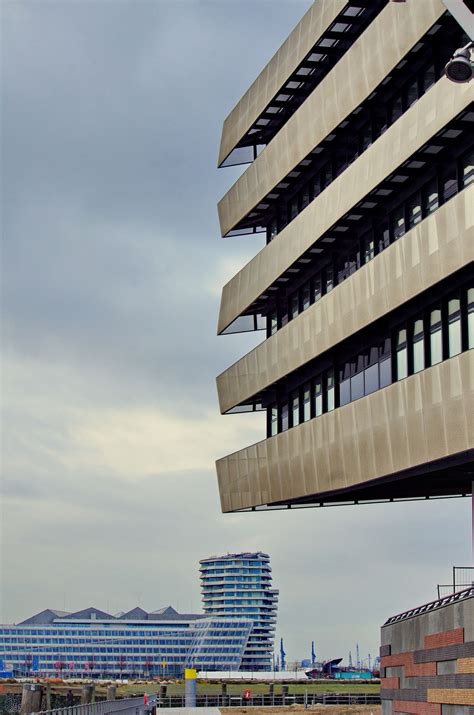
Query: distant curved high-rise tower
x=240, y=585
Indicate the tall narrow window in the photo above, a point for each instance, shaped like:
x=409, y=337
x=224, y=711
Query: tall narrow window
x=357, y=380
x=316, y=186
x=272, y=229
x=382, y=237
x=284, y=315
x=402, y=361
x=418, y=346
x=385, y=363
x=326, y=175
x=414, y=210
x=306, y=402
x=293, y=208
x=317, y=287
x=396, y=109
x=305, y=296
x=273, y=320
x=318, y=396
x=330, y=396
x=371, y=376
x=329, y=279
x=284, y=417
x=430, y=197
x=429, y=78
x=449, y=183
x=345, y=373
x=398, y=222
x=365, y=137
x=295, y=305
x=411, y=93
x=436, y=337
x=470, y=318
x=454, y=327
x=295, y=409
x=368, y=247
x=304, y=197
x=274, y=421
x=468, y=168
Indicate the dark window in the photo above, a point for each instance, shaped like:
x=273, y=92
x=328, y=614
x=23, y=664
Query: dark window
x=295, y=409
x=430, y=197
x=414, y=210
x=284, y=316
x=316, y=186
x=398, y=222
x=454, y=327
x=411, y=93
x=274, y=421
x=293, y=208
x=418, y=346
x=326, y=175
x=365, y=138
x=306, y=402
x=468, y=168
x=329, y=278
x=345, y=383
x=402, y=358
x=449, y=183
x=305, y=197
x=273, y=229
x=294, y=305
x=382, y=237
x=368, y=247
x=429, y=78
x=436, y=337
x=317, y=288
x=470, y=318
x=396, y=109
x=318, y=397
x=330, y=396
x=305, y=296
x=357, y=381
x=284, y=417
x=385, y=365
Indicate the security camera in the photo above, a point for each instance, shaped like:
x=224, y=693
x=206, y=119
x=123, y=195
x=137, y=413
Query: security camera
x=460, y=68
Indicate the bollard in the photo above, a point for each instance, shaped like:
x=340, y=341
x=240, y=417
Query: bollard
x=31, y=695
x=87, y=694
x=190, y=687
x=48, y=696
x=111, y=692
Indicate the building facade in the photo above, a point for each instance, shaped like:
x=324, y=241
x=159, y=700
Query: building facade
x=361, y=181
x=240, y=586
x=93, y=643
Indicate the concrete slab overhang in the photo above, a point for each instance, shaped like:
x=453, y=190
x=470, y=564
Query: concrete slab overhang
x=370, y=59
x=391, y=441
x=431, y=251
x=417, y=126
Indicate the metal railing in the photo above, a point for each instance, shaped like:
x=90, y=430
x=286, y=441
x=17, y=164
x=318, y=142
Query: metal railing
x=238, y=701
x=434, y=605
x=463, y=578
x=126, y=706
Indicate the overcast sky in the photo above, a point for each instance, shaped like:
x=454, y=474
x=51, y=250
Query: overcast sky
x=112, y=270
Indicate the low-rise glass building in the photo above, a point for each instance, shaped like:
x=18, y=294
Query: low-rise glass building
x=137, y=643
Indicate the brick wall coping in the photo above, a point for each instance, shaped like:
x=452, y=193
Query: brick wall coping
x=434, y=605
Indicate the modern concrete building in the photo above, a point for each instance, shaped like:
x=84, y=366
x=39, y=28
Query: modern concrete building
x=361, y=181
x=240, y=586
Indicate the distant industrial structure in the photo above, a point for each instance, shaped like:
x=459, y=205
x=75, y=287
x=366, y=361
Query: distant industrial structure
x=240, y=585
x=235, y=632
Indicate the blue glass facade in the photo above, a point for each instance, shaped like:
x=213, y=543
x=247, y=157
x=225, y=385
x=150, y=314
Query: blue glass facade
x=240, y=586
x=97, y=644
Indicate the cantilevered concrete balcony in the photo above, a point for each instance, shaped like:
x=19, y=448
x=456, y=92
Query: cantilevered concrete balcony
x=411, y=439
x=370, y=59
x=321, y=37
x=431, y=251
x=401, y=141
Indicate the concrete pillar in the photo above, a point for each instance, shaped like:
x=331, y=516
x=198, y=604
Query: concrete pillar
x=48, y=696
x=190, y=687
x=162, y=692
x=111, y=692
x=87, y=694
x=31, y=695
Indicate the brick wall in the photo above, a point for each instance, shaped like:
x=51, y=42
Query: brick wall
x=433, y=657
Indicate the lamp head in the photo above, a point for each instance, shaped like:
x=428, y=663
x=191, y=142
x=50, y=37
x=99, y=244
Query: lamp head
x=460, y=68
